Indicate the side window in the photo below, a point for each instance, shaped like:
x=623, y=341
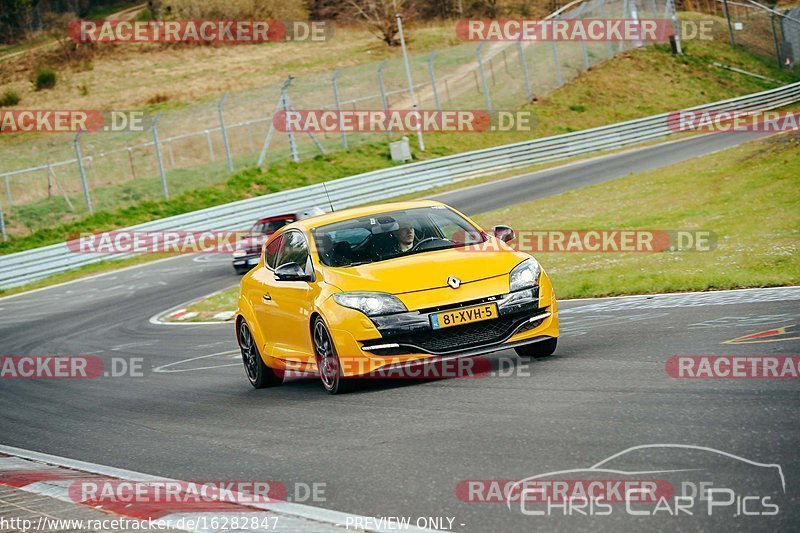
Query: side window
x=294, y=250
x=272, y=252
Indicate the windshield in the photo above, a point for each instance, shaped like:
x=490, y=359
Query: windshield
x=393, y=234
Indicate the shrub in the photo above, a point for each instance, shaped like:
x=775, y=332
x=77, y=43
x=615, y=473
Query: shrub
x=158, y=98
x=9, y=98
x=45, y=79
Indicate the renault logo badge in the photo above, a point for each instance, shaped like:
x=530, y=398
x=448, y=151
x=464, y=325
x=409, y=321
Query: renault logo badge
x=454, y=282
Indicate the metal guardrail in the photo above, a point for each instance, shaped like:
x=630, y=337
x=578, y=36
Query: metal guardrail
x=31, y=265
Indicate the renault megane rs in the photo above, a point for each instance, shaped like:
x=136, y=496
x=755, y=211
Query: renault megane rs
x=347, y=293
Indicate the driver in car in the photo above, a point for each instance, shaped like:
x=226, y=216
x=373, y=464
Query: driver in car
x=403, y=236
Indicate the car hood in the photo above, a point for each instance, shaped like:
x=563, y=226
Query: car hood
x=423, y=271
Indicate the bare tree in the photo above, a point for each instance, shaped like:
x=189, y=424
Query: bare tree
x=380, y=16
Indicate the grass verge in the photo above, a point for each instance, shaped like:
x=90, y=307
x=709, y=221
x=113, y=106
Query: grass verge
x=747, y=196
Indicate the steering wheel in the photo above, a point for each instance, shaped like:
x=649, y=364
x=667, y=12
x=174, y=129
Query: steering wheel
x=423, y=241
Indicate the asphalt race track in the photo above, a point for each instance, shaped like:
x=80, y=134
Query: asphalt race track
x=401, y=447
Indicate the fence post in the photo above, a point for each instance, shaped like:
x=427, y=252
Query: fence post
x=271, y=131
x=604, y=15
x=635, y=16
x=77, y=145
x=2, y=223
x=433, y=81
x=774, y=39
x=339, y=106
x=584, y=54
x=524, y=67
x=157, y=148
x=224, y=132
x=559, y=77
x=384, y=99
x=292, y=140
x=730, y=24
x=677, y=27
x=381, y=87
x=625, y=15
x=485, y=85
x=8, y=190
x=414, y=104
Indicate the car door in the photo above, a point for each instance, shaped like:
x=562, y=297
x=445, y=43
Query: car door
x=292, y=302
x=256, y=288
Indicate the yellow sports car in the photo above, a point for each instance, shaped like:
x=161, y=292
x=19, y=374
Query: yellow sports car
x=347, y=293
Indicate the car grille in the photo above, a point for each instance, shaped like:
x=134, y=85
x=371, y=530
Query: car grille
x=454, y=338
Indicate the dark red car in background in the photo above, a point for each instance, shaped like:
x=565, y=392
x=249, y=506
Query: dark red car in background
x=248, y=249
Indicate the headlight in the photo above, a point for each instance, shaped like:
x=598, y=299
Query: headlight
x=525, y=275
x=239, y=253
x=370, y=303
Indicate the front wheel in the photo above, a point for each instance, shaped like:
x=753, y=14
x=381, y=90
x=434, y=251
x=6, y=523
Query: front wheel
x=538, y=349
x=258, y=373
x=328, y=363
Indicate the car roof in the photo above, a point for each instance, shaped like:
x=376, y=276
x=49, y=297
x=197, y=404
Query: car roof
x=356, y=212
x=275, y=217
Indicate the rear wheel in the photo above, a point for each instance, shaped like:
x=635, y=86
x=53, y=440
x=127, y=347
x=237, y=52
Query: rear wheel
x=258, y=373
x=328, y=363
x=538, y=349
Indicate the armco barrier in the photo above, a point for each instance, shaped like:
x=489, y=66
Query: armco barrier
x=24, y=267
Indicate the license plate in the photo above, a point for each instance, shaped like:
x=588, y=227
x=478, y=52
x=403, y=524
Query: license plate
x=466, y=315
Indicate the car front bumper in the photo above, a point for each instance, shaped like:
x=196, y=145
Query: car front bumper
x=246, y=262
x=366, y=345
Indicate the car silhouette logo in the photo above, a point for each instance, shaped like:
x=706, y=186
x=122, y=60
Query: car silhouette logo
x=454, y=282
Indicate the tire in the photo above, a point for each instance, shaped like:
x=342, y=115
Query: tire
x=258, y=373
x=538, y=349
x=328, y=364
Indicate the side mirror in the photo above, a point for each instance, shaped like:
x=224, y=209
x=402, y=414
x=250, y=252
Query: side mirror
x=504, y=233
x=292, y=272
